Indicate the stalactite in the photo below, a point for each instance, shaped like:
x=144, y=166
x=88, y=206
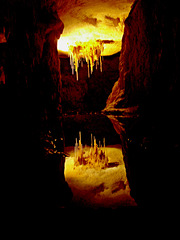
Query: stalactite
x=89, y=51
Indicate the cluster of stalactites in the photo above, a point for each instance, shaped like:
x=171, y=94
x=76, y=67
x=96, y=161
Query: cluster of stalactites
x=89, y=51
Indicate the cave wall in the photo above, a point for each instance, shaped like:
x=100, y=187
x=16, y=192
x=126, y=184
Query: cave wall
x=149, y=43
x=31, y=104
x=149, y=85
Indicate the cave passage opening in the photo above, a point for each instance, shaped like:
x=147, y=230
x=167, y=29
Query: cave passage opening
x=94, y=170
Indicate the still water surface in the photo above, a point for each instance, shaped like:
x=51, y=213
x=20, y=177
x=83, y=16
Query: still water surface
x=97, y=124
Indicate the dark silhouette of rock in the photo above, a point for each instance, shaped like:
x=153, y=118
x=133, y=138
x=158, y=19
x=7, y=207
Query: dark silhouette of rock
x=31, y=105
x=149, y=80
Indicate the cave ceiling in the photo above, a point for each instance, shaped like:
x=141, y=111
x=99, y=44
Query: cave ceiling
x=92, y=20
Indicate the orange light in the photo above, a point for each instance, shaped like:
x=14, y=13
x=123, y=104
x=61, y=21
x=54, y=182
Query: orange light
x=90, y=51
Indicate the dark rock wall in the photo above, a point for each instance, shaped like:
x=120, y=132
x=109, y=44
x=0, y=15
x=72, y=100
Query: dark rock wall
x=149, y=80
x=31, y=104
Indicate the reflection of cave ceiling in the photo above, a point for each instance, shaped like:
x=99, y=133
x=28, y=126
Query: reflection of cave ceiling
x=91, y=20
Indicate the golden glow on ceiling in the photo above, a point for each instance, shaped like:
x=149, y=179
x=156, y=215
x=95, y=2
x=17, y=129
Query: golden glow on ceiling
x=89, y=20
x=87, y=23
x=87, y=34
x=87, y=48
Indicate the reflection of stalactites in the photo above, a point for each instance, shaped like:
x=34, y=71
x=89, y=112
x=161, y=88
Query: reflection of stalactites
x=96, y=157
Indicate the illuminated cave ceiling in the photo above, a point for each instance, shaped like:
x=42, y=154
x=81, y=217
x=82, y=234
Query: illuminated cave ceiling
x=92, y=20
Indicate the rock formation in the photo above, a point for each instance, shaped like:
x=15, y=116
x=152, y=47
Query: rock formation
x=149, y=85
x=31, y=104
x=96, y=157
